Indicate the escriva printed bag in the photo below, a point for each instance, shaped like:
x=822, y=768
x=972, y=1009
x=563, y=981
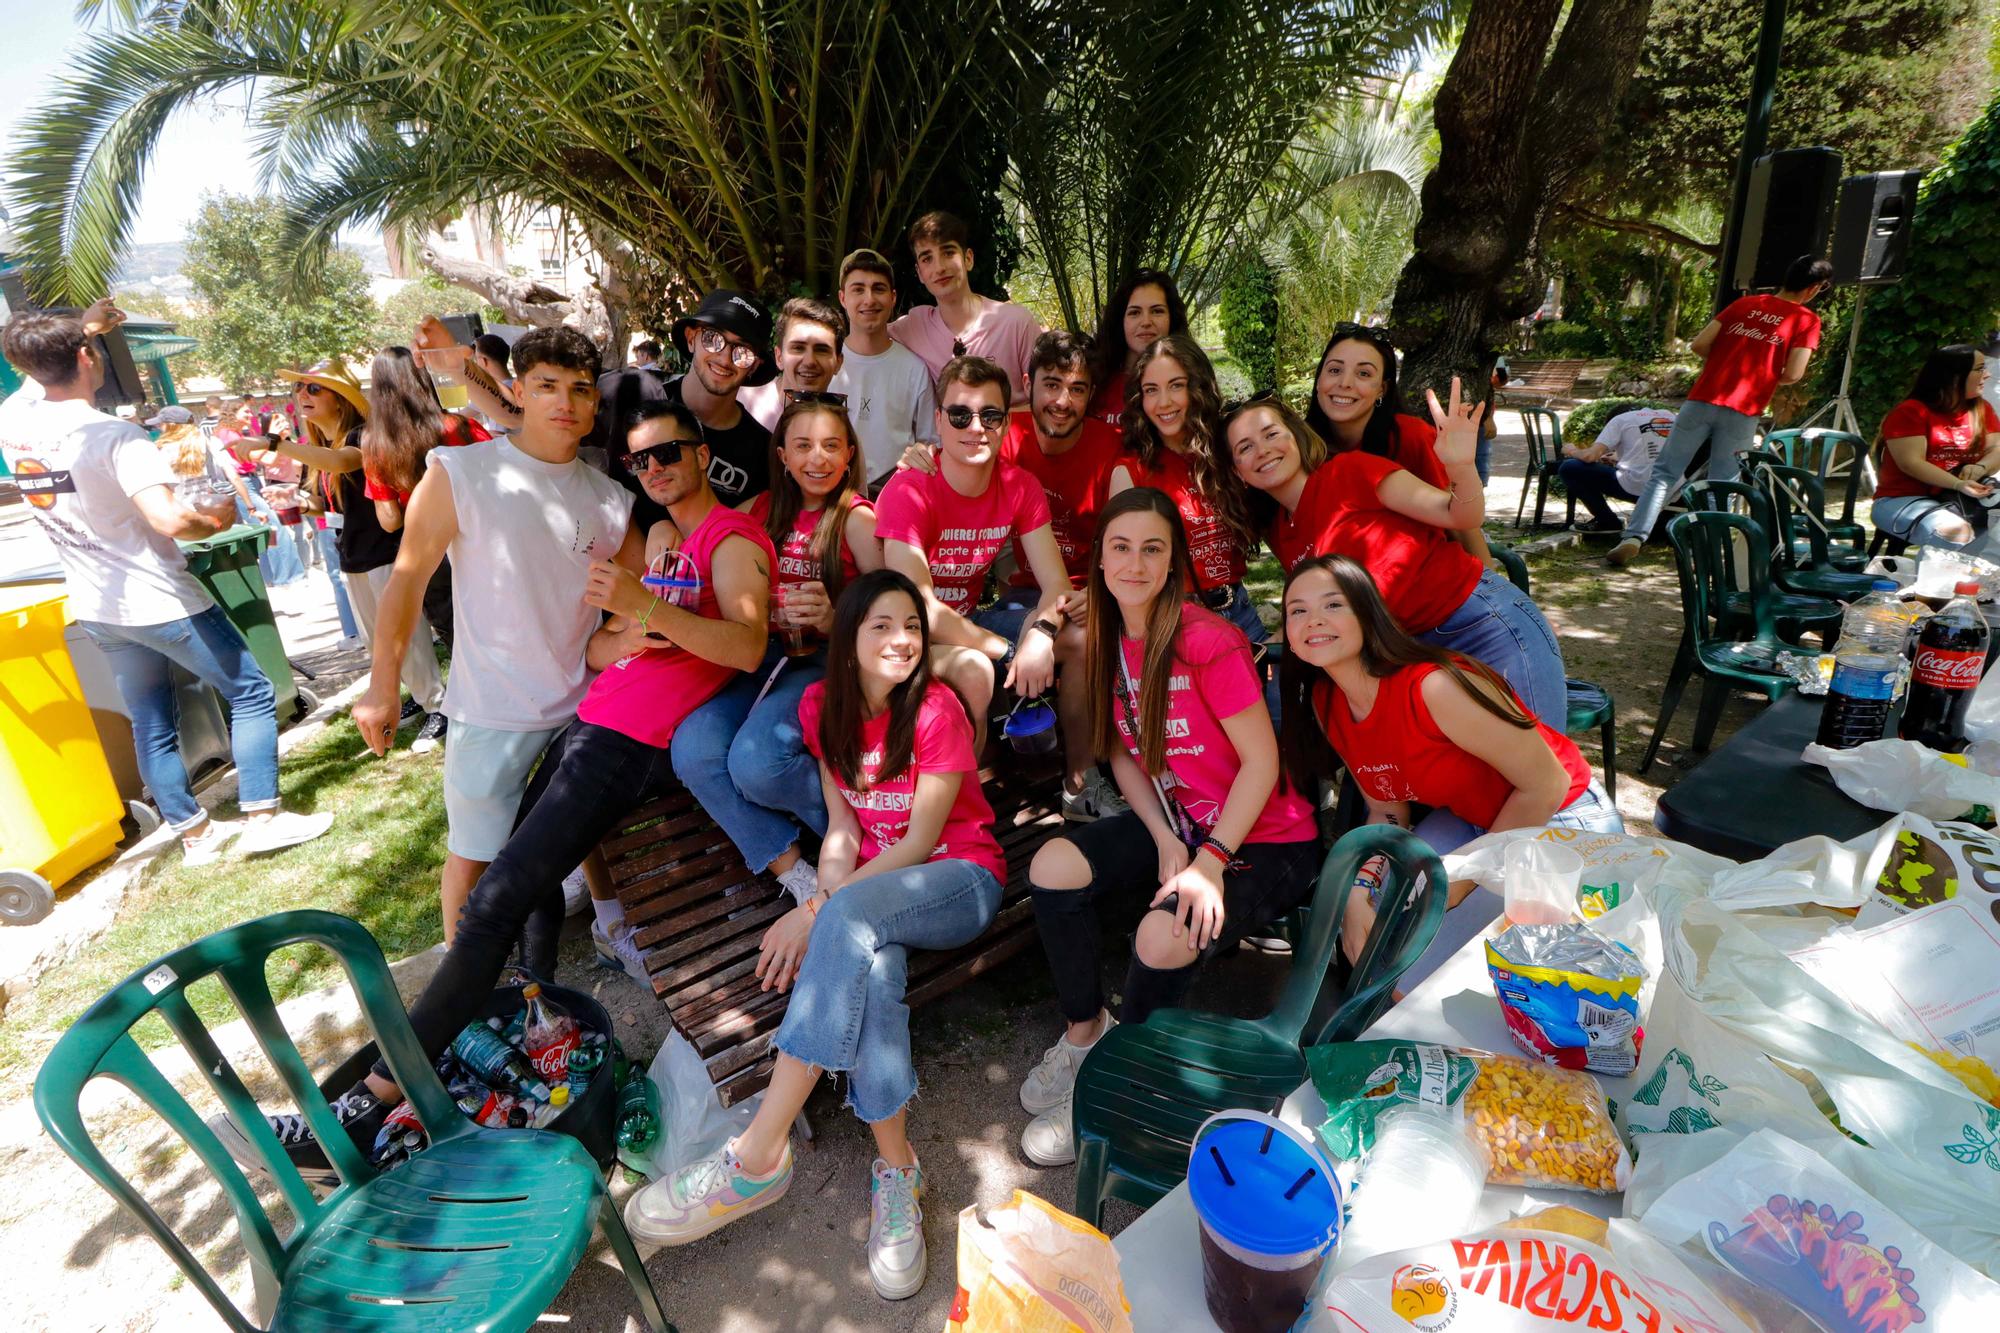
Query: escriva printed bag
x=1029, y=1267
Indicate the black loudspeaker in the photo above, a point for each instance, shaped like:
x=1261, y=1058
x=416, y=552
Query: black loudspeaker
x=1871, y=229
x=1790, y=213
x=122, y=381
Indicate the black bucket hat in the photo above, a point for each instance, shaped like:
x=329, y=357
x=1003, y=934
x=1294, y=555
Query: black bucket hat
x=737, y=313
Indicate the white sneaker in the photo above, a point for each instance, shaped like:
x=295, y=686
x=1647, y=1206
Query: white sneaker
x=801, y=881
x=207, y=851
x=896, y=1254
x=576, y=892
x=286, y=829
x=618, y=949
x=1049, y=1139
x=1048, y=1084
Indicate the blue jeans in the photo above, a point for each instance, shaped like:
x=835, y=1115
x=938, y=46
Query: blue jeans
x=1725, y=431
x=1499, y=626
x=1242, y=613
x=847, y=1010
x=329, y=550
x=277, y=564
x=1921, y=520
x=212, y=648
x=748, y=767
x=1593, y=484
x=1482, y=457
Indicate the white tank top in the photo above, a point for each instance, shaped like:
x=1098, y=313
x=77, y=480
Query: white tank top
x=527, y=533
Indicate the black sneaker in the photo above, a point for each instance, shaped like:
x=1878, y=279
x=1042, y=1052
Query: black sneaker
x=412, y=710
x=431, y=735
x=359, y=1112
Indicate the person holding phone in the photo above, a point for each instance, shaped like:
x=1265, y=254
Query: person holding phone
x=1938, y=449
x=1213, y=847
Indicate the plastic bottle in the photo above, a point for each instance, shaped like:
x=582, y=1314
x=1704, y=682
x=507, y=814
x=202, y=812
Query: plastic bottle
x=488, y=1055
x=557, y=1103
x=1867, y=669
x=584, y=1062
x=638, y=1119
x=1951, y=658
x=548, y=1036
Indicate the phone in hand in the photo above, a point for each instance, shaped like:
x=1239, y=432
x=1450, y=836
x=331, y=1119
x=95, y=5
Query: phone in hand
x=464, y=329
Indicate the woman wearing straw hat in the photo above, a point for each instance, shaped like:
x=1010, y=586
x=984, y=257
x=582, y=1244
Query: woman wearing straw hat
x=331, y=407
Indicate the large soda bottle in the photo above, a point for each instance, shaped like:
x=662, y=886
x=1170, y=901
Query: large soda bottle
x=487, y=1054
x=1951, y=657
x=548, y=1036
x=1867, y=668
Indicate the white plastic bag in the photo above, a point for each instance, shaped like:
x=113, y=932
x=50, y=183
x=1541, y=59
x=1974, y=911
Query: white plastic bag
x=1782, y=1216
x=1897, y=775
x=1616, y=866
x=692, y=1121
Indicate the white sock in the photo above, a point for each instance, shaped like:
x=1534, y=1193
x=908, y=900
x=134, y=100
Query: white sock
x=610, y=913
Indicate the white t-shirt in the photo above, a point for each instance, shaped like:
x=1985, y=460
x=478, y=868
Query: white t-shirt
x=527, y=532
x=78, y=469
x=890, y=402
x=1634, y=439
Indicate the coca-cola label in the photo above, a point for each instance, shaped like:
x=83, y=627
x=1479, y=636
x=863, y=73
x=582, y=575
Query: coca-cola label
x=1946, y=669
x=552, y=1061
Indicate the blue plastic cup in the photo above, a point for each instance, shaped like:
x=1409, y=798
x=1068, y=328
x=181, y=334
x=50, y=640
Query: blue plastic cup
x=1270, y=1216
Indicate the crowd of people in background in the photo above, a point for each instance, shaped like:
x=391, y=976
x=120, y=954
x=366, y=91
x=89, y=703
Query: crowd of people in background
x=802, y=578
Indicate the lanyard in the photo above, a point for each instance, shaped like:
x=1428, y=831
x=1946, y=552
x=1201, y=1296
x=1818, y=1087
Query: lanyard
x=1183, y=824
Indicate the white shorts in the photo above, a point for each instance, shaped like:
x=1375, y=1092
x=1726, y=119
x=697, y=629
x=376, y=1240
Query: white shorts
x=485, y=774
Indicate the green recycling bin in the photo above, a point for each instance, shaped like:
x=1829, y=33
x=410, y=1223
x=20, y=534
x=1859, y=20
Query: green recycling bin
x=226, y=565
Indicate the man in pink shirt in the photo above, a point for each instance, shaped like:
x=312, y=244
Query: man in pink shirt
x=943, y=532
x=1757, y=343
x=962, y=323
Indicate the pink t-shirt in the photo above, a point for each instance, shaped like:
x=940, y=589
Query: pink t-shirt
x=943, y=744
x=1213, y=678
x=1757, y=336
x=795, y=563
x=646, y=695
x=960, y=535
x=1004, y=334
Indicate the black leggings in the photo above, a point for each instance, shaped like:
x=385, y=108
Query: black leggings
x=589, y=779
x=1124, y=867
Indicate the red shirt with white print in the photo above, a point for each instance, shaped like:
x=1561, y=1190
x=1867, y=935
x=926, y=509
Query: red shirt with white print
x=795, y=564
x=960, y=535
x=1756, y=338
x=1213, y=545
x=1213, y=678
x=942, y=744
x=1949, y=442
x=1398, y=752
x=1073, y=483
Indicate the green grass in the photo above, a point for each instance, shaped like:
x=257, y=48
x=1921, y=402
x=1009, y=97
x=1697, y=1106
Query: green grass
x=378, y=864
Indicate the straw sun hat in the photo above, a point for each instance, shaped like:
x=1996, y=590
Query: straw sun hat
x=332, y=374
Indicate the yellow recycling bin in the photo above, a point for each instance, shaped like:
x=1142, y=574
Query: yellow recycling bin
x=59, y=809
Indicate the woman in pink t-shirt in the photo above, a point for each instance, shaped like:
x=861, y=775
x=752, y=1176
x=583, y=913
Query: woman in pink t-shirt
x=909, y=862
x=1939, y=449
x=1422, y=730
x=1214, y=846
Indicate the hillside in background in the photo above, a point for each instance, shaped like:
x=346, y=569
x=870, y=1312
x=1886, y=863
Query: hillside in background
x=157, y=267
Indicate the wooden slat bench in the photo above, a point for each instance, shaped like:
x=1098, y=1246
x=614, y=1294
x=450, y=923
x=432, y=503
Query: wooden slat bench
x=1542, y=383
x=700, y=913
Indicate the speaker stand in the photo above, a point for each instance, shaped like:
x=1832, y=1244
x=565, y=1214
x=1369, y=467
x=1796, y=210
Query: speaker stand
x=1837, y=412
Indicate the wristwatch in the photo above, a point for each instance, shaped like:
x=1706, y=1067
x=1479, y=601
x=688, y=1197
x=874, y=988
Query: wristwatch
x=1045, y=625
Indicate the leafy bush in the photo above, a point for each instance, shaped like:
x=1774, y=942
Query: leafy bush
x=1248, y=312
x=1563, y=338
x=1586, y=421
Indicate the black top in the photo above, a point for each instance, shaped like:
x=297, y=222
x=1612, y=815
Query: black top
x=739, y=458
x=363, y=543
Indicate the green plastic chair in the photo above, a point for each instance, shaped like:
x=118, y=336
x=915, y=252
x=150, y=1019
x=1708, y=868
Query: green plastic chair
x=1145, y=1088
x=1706, y=546
x=1839, y=459
x=1591, y=707
x=1799, y=503
x=1794, y=613
x=1544, y=432
x=481, y=1230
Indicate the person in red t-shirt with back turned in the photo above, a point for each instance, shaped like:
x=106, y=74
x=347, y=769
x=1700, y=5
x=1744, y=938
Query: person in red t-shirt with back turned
x=1757, y=343
x=1937, y=445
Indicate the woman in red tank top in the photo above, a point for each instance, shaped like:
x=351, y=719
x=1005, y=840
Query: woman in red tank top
x=1436, y=742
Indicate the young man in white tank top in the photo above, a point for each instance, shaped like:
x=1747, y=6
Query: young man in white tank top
x=522, y=520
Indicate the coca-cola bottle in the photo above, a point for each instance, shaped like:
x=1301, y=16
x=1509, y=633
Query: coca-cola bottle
x=1951, y=657
x=548, y=1036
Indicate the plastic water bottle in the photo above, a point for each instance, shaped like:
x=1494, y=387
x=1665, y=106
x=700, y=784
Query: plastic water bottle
x=1867, y=669
x=487, y=1054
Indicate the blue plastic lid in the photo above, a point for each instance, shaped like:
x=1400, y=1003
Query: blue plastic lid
x=1258, y=1185
x=1885, y=585
x=1029, y=720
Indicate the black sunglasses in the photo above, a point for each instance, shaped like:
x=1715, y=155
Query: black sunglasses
x=815, y=396
x=960, y=416
x=958, y=347
x=641, y=461
x=1368, y=333
x=1230, y=409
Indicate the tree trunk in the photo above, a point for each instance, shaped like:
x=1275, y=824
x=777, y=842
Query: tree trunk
x=1517, y=122
x=536, y=304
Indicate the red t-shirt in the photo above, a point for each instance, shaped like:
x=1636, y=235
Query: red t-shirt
x=942, y=744
x=1213, y=545
x=1213, y=678
x=1949, y=443
x=457, y=431
x=795, y=563
x=1397, y=752
x=960, y=535
x=646, y=695
x=1416, y=449
x=1743, y=364
x=1108, y=403
x=1073, y=484
x=1423, y=573
x=1294, y=536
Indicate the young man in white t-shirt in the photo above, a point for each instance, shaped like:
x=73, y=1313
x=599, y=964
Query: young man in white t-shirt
x=888, y=387
x=106, y=499
x=522, y=520
x=1616, y=464
x=962, y=323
